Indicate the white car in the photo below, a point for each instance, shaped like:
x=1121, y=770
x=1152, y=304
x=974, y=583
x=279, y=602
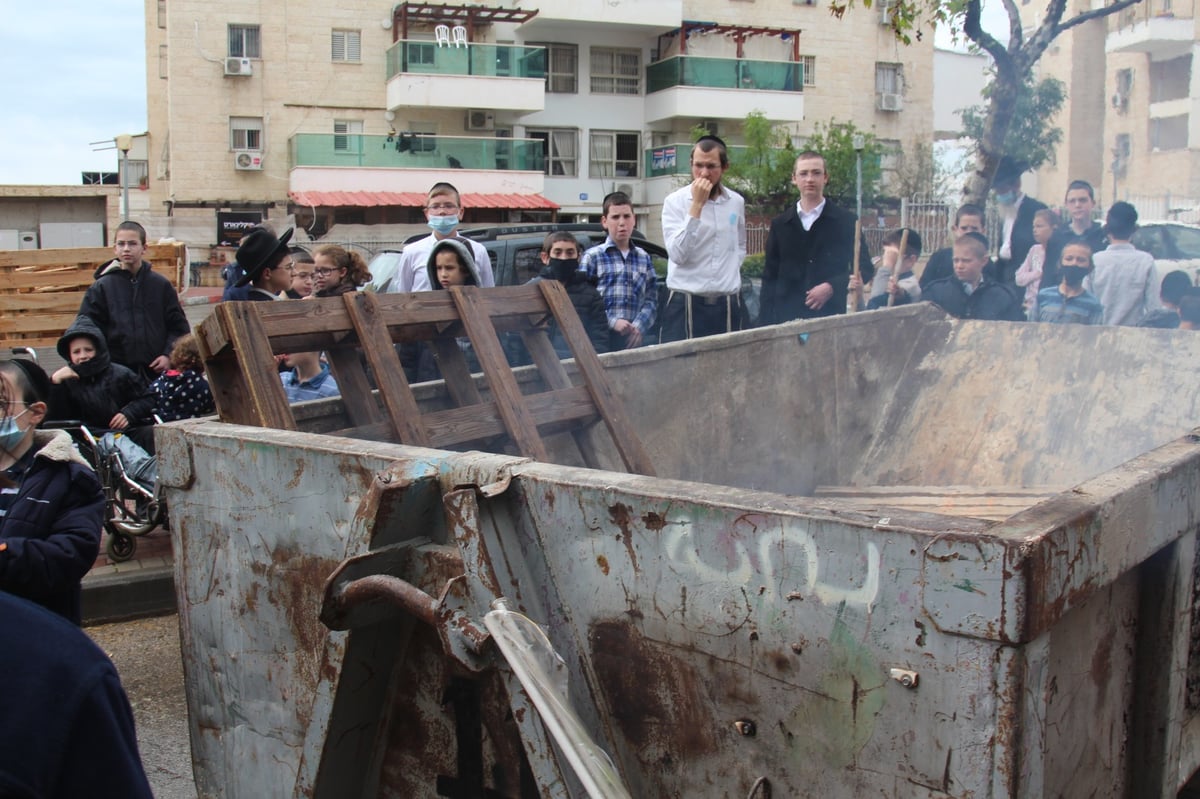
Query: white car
x=1174, y=245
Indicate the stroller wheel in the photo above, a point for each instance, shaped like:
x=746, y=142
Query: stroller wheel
x=120, y=547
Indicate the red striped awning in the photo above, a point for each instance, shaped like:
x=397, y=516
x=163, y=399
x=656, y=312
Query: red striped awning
x=414, y=199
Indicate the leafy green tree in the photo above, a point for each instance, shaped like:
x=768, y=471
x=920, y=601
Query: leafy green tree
x=1031, y=139
x=835, y=141
x=1013, y=63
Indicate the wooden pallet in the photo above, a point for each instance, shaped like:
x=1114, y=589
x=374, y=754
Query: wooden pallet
x=994, y=503
x=240, y=339
x=41, y=290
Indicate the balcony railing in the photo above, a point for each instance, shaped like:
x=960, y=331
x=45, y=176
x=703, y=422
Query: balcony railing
x=492, y=60
x=675, y=159
x=415, y=151
x=724, y=73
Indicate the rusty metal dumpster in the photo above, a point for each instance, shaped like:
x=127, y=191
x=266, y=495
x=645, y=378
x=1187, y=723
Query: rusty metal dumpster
x=890, y=555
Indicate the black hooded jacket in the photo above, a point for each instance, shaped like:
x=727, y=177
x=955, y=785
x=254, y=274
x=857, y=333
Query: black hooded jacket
x=103, y=388
x=139, y=314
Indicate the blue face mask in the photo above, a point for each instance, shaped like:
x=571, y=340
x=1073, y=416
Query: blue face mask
x=1007, y=198
x=443, y=224
x=11, y=433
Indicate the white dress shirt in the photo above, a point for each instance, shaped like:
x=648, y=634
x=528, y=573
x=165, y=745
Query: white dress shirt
x=706, y=254
x=412, y=274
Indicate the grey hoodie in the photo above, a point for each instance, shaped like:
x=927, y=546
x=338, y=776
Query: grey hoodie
x=464, y=256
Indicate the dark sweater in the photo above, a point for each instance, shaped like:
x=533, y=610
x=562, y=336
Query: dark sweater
x=139, y=315
x=68, y=729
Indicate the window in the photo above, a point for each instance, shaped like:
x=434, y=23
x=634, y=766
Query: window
x=347, y=46
x=162, y=61
x=347, y=135
x=1171, y=79
x=561, y=148
x=244, y=42
x=616, y=70
x=1169, y=133
x=162, y=13
x=614, y=154
x=137, y=173
x=809, y=62
x=421, y=54
x=562, y=68
x=245, y=133
x=889, y=78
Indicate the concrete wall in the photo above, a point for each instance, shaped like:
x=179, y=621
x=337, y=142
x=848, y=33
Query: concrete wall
x=27, y=207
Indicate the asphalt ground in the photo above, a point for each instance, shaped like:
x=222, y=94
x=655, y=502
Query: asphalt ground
x=147, y=656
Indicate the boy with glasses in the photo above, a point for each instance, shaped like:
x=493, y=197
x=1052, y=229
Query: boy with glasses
x=442, y=207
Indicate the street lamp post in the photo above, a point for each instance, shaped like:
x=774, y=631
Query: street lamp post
x=859, y=143
x=124, y=143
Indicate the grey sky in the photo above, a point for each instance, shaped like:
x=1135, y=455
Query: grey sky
x=75, y=73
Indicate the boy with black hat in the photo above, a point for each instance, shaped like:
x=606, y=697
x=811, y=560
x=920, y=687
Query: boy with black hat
x=266, y=262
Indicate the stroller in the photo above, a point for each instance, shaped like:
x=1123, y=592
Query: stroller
x=128, y=475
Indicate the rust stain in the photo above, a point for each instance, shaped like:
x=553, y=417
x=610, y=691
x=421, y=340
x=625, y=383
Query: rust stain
x=602, y=562
x=656, y=699
x=297, y=473
x=620, y=516
x=654, y=522
x=920, y=632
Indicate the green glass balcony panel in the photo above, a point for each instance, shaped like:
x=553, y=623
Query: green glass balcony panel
x=494, y=60
x=724, y=73
x=415, y=151
x=675, y=159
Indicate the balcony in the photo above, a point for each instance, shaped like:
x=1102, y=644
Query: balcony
x=557, y=16
x=493, y=76
x=1161, y=37
x=360, y=162
x=724, y=88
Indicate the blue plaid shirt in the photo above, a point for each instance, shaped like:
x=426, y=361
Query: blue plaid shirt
x=319, y=387
x=628, y=285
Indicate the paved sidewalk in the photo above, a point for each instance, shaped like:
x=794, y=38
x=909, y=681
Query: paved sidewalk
x=142, y=586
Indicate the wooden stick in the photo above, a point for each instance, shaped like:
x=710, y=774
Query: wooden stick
x=899, y=263
x=858, y=292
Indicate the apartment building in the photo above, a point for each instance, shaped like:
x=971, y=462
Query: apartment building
x=1131, y=122
x=535, y=109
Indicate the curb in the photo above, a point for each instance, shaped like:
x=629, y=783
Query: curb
x=129, y=595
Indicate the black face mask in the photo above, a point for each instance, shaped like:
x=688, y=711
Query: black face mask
x=1073, y=275
x=564, y=269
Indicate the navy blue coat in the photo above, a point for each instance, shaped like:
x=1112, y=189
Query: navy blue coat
x=52, y=530
x=68, y=729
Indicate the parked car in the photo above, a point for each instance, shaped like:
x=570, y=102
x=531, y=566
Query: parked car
x=1174, y=245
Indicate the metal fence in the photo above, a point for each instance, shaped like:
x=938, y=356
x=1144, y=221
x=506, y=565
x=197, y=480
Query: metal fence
x=1165, y=207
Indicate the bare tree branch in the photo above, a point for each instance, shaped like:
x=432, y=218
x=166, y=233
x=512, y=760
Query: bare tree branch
x=1097, y=13
x=976, y=33
x=1016, y=36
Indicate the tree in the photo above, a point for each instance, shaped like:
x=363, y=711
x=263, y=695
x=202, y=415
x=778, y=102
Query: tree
x=1031, y=138
x=920, y=174
x=761, y=171
x=1013, y=63
x=835, y=142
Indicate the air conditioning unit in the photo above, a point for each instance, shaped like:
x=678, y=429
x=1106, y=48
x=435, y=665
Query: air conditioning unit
x=481, y=120
x=891, y=102
x=885, y=11
x=632, y=191
x=238, y=66
x=248, y=160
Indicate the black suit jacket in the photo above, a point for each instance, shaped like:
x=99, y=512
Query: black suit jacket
x=793, y=265
x=1022, y=240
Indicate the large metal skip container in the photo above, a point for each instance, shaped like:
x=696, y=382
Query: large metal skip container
x=886, y=555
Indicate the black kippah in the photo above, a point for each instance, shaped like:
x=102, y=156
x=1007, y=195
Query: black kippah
x=35, y=376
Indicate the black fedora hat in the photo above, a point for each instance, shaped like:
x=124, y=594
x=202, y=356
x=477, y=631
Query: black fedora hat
x=260, y=249
x=1008, y=170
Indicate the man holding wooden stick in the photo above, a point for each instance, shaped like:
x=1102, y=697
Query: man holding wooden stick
x=810, y=249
